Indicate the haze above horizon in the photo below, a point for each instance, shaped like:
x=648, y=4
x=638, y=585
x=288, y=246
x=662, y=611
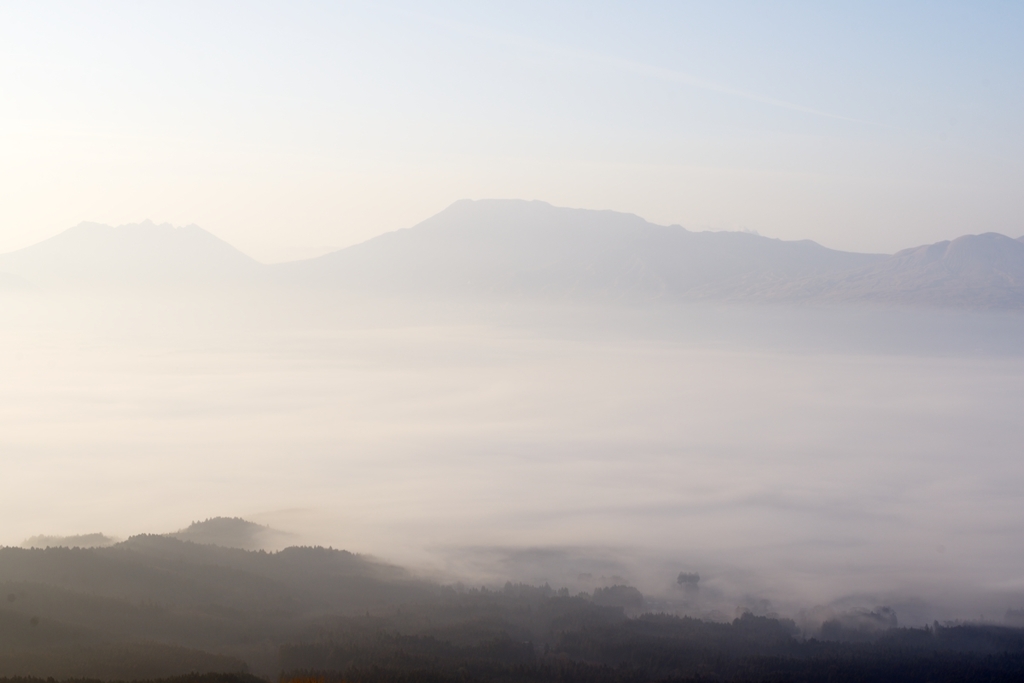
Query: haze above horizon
x=716, y=306
x=294, y=130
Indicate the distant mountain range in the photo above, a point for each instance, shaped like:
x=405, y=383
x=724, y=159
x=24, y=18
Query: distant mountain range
x=532, y=250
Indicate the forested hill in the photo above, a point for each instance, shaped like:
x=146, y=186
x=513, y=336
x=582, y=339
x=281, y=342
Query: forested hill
x=157, y=606
x=230, y=608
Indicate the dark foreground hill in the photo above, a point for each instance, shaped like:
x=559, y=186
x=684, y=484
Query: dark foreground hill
x=165, y=606
x=155, y=606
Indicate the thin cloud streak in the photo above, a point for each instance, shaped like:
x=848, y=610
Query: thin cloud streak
x=564, y=54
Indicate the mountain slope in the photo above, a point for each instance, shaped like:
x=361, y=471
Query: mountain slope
x=973, y=271
x=142, y=254
x=515, y=247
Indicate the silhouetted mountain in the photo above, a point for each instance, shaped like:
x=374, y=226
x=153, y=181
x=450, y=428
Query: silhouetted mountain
x=531, y=249
x=973, y=271
x=142, y=254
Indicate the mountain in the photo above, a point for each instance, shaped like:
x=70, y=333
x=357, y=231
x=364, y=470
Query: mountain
x=531, y=249
x=973, y=271
x=141, y=254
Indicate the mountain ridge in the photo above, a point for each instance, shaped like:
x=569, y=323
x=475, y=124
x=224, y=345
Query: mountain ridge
x=530, y=250
x=518, y=247
x=977, y=271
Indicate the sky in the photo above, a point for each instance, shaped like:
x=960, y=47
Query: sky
x=292, y=129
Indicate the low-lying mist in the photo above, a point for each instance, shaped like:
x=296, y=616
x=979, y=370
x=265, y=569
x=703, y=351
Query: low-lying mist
x=799, y=460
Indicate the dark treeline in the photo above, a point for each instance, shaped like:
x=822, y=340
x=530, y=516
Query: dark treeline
x=155, y=607
x=526, y=633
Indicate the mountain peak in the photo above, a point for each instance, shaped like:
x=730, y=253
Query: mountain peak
x=514, y=247
x=983, y=256
x=976, y=271
x=134, y=254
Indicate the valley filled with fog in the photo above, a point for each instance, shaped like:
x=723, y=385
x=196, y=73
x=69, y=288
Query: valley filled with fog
x=568, y=342
x=799, y=459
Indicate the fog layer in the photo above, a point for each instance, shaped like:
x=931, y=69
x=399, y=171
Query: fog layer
x=793, y=459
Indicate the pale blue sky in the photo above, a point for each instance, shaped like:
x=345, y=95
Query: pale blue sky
x=287, y=128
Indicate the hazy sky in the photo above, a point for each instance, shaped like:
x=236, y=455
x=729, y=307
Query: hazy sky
x=286, y=128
